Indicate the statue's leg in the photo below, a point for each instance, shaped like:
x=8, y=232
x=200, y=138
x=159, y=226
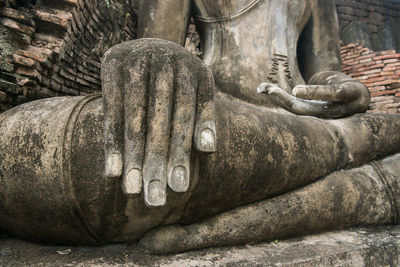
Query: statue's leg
x=262, y=154
x=59, y=163
x=368, y=195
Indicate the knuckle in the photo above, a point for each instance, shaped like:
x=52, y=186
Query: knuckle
x=116, y=52
x=341, y=91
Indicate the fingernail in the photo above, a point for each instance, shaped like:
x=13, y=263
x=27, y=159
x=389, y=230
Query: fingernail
x=156, y=193
x=179, y=179
x=207, y=140
x=113, y=165
x=132, y=183
x=262, y=88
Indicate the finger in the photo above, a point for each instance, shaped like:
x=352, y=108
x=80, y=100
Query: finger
x=135, y=113
x=331, y=92
x=205, y=137
x=316, y=108
x=267, y=88
x=158, y=130
x=113, y=113
x=182, y=129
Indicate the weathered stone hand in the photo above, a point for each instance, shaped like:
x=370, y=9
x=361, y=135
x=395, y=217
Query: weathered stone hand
x=330, y=94
x=157, y=98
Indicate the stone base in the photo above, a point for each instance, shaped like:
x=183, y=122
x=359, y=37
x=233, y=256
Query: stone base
x=356, y=247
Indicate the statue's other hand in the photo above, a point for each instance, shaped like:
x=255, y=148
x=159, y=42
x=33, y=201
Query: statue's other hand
x=168, y=102
x=330, y=95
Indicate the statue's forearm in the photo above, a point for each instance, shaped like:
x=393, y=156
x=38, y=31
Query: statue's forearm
x=321, y=51
x=156, y=19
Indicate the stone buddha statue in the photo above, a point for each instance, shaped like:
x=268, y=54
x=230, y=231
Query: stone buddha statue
x=255, y=141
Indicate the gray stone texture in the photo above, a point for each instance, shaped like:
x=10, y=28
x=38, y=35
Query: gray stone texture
x=53, y=149
x=192, y=164
x=371, y=247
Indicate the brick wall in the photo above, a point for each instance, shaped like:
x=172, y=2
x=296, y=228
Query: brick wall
x=372, y=23
x=368, y=26
x=51, y=48
x=379, y=71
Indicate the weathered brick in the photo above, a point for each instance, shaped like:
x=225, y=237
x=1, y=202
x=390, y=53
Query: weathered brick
x=356, y=74
x=375, y=66
x=376, y=79
x=394, y=77
x=372, y=63
x=23, y=61
x=6, y=66
x=393, y=64
x=46, y=92
x=91, y=79
x=388, y=52
x=366, y=60
x=371, y=71
x=390, y=68
x=395, y=85
x=368, y=55
x=361, y=13
x=66, y=75
x=19, y=16
x=10, y=77
x=393, y=105
x=346, y=10
x=357, y=66
x=52, y=43
x=376, y=88
x=38, y=53
x=8, y=87
x=350, y=56
x=55, y=85
x=3, y=96
x=82, y=82
x=56, y=17
x=16, y=26
x=26, y=82
x=387, y=56
x=25, y=71
x=393, y=60
x=384, y=82
x=387, y=73
x=383, y=99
